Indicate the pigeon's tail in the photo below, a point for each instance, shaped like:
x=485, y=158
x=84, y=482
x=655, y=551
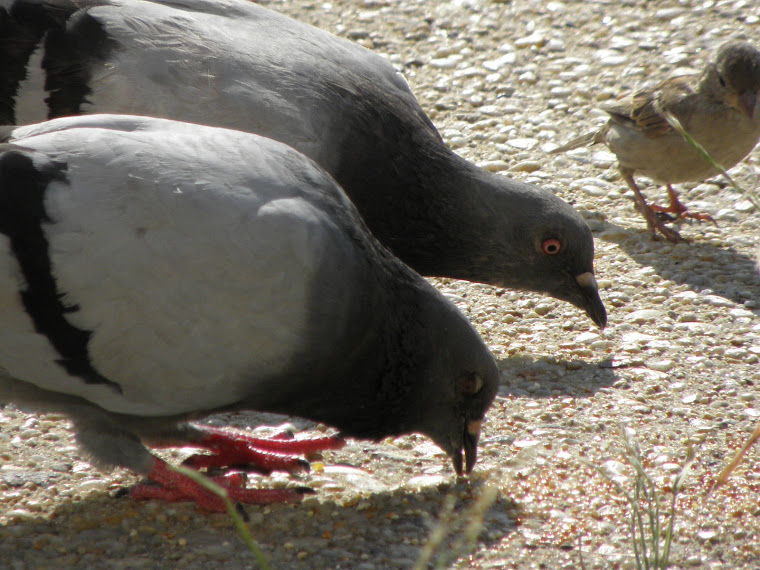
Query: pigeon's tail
x=584, y=140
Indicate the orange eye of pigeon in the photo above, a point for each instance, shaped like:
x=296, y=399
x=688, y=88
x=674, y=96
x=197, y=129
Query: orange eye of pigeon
x=551, y=246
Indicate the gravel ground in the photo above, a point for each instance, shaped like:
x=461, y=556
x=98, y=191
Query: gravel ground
x=677, y=365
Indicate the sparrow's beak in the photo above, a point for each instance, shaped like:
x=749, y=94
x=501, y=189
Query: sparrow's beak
x=592, y=303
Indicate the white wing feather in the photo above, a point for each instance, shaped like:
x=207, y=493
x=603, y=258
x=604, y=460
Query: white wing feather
x=189, y=252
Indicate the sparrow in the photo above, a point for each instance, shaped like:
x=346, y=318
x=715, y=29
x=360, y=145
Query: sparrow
x=718, y=108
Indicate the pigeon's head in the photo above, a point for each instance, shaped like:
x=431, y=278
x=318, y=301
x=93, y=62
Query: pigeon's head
x=454, y=380
x=733, y=78
x=411, y=363
x=548, y=248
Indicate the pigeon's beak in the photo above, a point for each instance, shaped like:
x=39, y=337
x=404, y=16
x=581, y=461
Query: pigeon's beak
x=470, y=444
x=591, y=302
x=745, y=102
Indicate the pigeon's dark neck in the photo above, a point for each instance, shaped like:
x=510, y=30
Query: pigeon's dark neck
x=438, y=214
x=362, y=388
x=381, y=376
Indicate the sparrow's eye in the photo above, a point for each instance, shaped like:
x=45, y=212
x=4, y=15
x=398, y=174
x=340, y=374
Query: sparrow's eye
x=722, y=81
x=551, y=246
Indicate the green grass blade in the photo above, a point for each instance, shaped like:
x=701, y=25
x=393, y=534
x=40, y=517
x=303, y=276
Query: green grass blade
x=651, y=539
x=640, y=520
x=678, y=127
x=677, y=486
x=237, y=520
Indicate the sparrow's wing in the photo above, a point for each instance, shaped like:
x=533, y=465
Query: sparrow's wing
x=645, y=109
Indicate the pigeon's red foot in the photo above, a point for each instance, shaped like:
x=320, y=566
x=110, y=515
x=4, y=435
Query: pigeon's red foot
x=173, y=486
x=280, y=452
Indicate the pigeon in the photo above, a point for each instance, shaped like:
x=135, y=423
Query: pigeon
x=720, y=110
x=235, y=64
x=153, y=272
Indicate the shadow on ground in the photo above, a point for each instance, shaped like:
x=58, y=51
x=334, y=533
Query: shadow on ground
x=526, y=377
x=699, y=265
x=87, y=533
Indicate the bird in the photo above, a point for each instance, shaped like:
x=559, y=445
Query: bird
x=718, y=108
x=154, y=272
x=236, y=64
